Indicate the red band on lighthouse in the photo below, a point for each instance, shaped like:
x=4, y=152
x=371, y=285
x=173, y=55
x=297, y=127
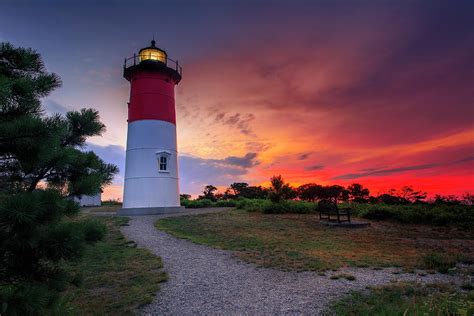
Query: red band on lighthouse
x=152, y=97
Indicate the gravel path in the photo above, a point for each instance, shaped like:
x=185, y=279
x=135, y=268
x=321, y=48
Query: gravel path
x=208, y=281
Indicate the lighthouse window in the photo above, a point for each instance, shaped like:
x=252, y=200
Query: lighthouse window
x=163, y=163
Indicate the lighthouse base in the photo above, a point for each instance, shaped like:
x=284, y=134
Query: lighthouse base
x=150, y=210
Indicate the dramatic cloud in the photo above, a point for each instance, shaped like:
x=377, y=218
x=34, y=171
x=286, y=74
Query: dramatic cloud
x=247, y=161
x=345, y=90
x=314, y=167
x=303, y=156
x=390, y=171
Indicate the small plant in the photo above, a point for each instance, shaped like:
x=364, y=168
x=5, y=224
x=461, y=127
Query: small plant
x=436, y=261
x=346, y=276
x=349, y=277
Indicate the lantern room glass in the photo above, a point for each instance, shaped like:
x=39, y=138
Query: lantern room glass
x=152, y=54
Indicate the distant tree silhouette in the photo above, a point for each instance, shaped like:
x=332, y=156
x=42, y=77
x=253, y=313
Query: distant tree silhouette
x=254, y=192
x=335, y=193
x=280, y=190
x=185, y=196
x=357, y=193
x=468, y=198
x=238, y=188
x=310, y=192
x=208, y=193
x=409, y=194
x=446, y=200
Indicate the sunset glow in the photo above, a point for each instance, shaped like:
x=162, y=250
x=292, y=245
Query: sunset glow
x=341, y=92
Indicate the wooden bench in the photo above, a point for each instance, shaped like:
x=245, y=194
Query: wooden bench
x=328, y=208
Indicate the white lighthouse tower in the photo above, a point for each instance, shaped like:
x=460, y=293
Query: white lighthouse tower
x=151, y=164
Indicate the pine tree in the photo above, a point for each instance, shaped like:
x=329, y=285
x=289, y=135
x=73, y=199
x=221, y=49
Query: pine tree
x=42, y=165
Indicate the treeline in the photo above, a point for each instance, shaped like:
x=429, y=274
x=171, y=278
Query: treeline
x=312, y=192
x=405, y=205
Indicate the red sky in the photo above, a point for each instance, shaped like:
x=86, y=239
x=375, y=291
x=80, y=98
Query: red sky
x=332, y=92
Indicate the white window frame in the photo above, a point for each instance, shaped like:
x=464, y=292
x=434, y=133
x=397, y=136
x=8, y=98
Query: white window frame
x=163, y=154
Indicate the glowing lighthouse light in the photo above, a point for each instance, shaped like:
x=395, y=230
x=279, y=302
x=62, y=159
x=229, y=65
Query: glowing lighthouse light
x=151, y=164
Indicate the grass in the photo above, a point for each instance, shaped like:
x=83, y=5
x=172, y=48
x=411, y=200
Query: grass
x=103, y=208
x=300, y=242
x=406, y=299
x=114, y=277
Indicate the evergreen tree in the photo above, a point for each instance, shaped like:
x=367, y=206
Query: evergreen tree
x=42, y=165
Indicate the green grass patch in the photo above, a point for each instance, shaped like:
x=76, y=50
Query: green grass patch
x=300, y=242
x=405, y=299
x=114, y=277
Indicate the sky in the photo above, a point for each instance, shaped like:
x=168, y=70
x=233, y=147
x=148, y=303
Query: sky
x=331, y=92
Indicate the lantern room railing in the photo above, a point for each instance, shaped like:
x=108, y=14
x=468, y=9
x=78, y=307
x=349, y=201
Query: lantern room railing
x=137, y=59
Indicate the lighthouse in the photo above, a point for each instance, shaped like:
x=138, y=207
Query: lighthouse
x=151, y=164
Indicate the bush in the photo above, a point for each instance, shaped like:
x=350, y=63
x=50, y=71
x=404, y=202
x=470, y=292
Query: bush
x=93, y=230
x=436, y=214
x=252, y=205
x=197, y=203
x=269, y=207
x=297, y=207
x=225, y=203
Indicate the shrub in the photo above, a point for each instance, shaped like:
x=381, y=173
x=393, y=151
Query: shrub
x=93, y=230
x=252, y=205
x=198, y=203
x=226, y=203
x=436, y=214
x=298, y=207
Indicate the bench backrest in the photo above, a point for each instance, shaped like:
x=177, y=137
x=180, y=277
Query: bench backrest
x=327, y=206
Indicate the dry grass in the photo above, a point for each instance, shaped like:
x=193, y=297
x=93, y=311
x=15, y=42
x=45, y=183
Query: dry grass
x=300, y=242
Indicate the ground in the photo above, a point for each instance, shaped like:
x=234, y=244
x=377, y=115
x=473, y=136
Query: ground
x=211, y=281
x=300, y=242
x=269, y=279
